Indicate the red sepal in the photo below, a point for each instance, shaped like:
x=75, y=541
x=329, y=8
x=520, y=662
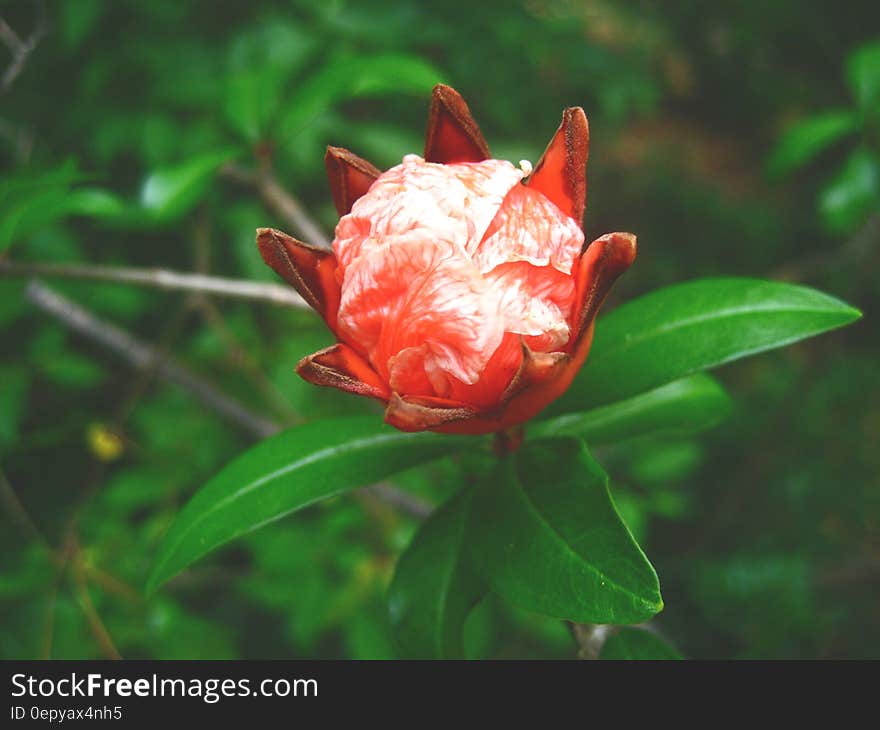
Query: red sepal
x=561, y=173
x=350, y=177
x=599, y=267
x=453, y=135
x=308, y=269
x=341, y=367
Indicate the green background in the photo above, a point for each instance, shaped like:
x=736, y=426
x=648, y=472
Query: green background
x=705, y=142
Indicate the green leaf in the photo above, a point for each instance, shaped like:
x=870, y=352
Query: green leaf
x=633, y=643
x=852, y=194
x=171, y=192
x=72, y=370
x=548, y=538
x=806, y=139
x=688, y=405
x=693, y=326
x=262, y=61
x=434, y=586
x=663, y=461
x=347, y=76
x=31, y=201
x=78, y=18
x=285, y=473
x=863, y=74
x=94, y=203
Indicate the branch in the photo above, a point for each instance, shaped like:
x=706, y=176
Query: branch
x=404, y=501
x=142, y=355
x=84, y=599
x=20, y=49
x=855, y=251
x=160, y=279
x=16, y=511
x=589, y=638
x=283, y=203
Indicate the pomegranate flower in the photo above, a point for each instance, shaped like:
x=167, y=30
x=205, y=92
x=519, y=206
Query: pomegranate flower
x=459, y=287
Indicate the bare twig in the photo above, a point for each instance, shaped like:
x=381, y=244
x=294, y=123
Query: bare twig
x=20, y=49
x=404, y=501
x=142, y=355
x=160, y=279
x=855, y=251
x=20, y=139
x=84, y=599
x=15, y=509
x=48, y=634
x=589, y=638
x=283, y=203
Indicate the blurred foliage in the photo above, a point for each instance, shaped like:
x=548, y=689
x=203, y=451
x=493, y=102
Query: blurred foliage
x=766, y=534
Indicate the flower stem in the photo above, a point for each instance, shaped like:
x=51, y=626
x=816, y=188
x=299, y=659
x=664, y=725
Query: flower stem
x=508, y=441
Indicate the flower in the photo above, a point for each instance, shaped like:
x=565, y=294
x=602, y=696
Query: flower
x=459, y=287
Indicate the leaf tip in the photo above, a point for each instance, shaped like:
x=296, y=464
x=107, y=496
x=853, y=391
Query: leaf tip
x=854, y=314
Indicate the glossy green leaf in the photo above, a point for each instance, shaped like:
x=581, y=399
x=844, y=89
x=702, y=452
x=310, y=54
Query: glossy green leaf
x=808, y=138
x=170, y=192
x=94, y=203
x=435, y=585
x=285, y=473
x=863, y=74
x=693, y=326
x=852, y=194
x=634, y=643
x=688, y=405
x=548, y=538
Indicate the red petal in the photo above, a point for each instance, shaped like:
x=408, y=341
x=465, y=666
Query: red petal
x=453, y=135
x=350, y=177
x=542, y=382
x=309, y=270
x=341, y=367
x=561, y=173
x=601, y=264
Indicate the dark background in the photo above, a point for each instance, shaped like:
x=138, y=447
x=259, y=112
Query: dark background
x=117, y=132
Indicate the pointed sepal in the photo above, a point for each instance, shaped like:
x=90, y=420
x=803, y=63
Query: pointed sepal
x=350, y=177
x=308, y=269
x=561, y=173
x=341, y=367
x=599, y=267
x=453, y=135
x=413, y=413
x=535, y=367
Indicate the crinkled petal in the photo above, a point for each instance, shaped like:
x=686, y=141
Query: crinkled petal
x=528, y=227
x=453, y=203
x=423, y=313
x=536, y=302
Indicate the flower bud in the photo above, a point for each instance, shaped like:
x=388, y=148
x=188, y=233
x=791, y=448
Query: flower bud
x=458, y=288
